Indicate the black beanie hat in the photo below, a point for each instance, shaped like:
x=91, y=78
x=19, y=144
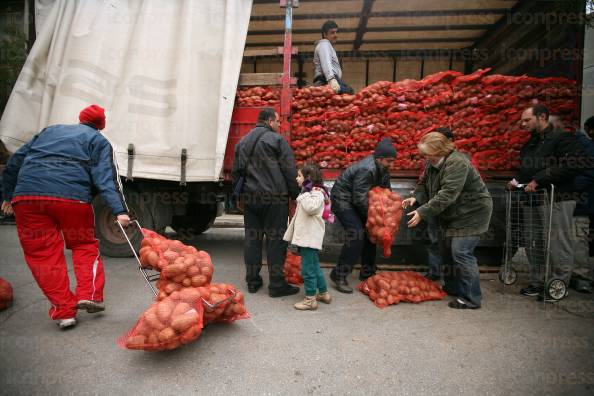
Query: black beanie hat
x=385, y=149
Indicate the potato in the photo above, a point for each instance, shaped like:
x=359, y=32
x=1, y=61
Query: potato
x=193, y=271
x=170, y=288
x=183, y=322
x=153, y=339
x=180, y=309
x=199, y=280
x=152, y=258
x=179, y=278
x=135, y=342
x=383, y=284
x=207, y=271
x=189, y=295
x=166, y=335
x=173, y=270
x=152, y=320
x=170, y=255
x=191, y=334
x=162, y=263
x=177, y=246
x=238, y=309
x=164, y=309
x=187, y=282
x=143, y=328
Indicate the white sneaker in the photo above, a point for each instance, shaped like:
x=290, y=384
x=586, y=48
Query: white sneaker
x=66, y=323
x=90, y=306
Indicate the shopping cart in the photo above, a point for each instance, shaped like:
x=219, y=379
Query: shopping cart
x=528, y=236
x=155, y=276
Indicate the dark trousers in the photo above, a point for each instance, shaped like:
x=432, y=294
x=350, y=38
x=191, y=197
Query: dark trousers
x=356, y=245
x=344, y=88
x=271, y=220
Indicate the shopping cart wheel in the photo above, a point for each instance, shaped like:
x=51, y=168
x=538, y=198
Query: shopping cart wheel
x=508, y=276
x=556, y=289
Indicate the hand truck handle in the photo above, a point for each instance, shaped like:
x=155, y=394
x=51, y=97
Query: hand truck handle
x=144, y=274
x=212, y=307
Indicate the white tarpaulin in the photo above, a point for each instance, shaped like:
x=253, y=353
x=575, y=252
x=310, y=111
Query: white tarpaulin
x=166, y=72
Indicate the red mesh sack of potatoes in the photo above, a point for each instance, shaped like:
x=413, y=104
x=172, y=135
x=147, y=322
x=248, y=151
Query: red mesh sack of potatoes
x=292, y=269
x=151, y=250
x=223, y=303
x=5, y=294
x=383, y=217
x=191, y=268
x=167, y=324
x=387, y=288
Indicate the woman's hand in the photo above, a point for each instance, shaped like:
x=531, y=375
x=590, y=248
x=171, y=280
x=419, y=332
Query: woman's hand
x=408, y=202
x=415, y=220
x=7, y=208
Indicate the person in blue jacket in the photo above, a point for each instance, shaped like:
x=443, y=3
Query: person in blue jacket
x=49, y=184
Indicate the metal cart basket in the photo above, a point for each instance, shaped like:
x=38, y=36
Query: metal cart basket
x=528, y=239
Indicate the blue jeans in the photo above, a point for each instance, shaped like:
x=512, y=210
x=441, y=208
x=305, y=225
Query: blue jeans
x=434, y=256
x=313, y=277
x=462, y=278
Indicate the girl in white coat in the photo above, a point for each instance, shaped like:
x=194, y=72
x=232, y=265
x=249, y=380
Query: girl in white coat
x=306, y=230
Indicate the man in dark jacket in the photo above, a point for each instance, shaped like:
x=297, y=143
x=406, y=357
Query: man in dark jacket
x=349, y=204
x=265, y=164
x=584, y=216
x=49, y=184
x=551, y=157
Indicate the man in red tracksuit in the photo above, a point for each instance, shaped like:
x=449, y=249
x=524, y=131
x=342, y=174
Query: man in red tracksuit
x=49, y=184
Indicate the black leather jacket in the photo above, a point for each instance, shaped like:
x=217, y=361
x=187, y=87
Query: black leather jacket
x=352, y=186
x=271, y=172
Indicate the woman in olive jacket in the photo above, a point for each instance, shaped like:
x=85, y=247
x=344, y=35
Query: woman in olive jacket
x=451, y=189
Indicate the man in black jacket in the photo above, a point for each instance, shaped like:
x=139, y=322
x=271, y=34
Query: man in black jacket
x=265, y=162
x=551, y=157
x=349, y=204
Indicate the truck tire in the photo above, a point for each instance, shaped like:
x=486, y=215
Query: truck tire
x=198, y=218
x=111, y=241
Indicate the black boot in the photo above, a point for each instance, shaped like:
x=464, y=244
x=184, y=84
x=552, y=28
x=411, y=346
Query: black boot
x=340, y=283
x=286, y=290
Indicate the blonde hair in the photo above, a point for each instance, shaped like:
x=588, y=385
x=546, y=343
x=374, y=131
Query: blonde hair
x=435, y=144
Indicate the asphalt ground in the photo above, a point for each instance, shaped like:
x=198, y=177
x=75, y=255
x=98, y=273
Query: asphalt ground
x=512, y=346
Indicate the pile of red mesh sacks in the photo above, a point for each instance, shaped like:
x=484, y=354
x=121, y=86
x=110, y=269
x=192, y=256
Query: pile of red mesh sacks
x=484, y=112
x=187, y=298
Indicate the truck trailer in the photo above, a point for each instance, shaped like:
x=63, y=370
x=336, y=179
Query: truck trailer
x=167, y=73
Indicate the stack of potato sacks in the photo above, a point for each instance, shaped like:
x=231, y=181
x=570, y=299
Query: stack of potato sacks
x=187, y=300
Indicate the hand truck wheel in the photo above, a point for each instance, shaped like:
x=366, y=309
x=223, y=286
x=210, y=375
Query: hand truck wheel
x=508, y=276
x=556, y=289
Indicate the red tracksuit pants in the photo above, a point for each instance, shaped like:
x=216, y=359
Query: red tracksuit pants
x=44, y=226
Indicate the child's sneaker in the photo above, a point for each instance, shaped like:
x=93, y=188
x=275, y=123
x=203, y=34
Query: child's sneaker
x=66, y=323
x=324, y=297
x=309, y=303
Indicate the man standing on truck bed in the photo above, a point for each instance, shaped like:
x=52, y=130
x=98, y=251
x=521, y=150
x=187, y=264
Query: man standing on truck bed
x=350, y=205
x=49, y=184
x=326, y=65
x=264, y=176
x=550, y=157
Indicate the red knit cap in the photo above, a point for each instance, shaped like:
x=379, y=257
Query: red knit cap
x=93, y=114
